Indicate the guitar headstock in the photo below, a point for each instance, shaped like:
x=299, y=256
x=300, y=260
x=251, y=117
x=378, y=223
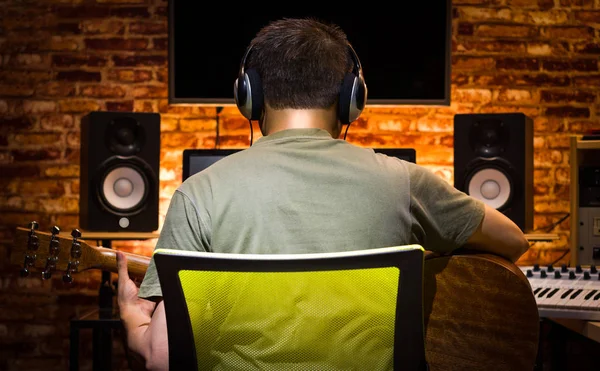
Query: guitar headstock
x=49, y=254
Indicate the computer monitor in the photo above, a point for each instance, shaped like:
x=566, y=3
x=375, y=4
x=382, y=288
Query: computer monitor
x=406, y=154
x=196, y=160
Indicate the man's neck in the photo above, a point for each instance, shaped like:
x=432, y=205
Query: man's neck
x=277, y=120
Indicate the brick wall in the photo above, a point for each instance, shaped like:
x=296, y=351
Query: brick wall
x=62, y=59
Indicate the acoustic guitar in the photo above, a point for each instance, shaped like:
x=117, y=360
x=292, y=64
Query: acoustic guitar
x=479, y=310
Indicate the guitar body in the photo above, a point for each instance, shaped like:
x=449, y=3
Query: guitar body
x=480, y=314
x=479, y=310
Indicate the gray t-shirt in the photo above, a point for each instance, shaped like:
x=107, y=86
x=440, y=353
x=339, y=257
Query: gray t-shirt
x=301, y=191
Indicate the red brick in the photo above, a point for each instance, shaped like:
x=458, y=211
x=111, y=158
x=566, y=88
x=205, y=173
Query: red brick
x=19, y=171
x=588, y=17
x=592, y=81
x=140, y=105
x=541, y=189
x=165, y=107
x=479, y=96
x=59, y=205
x=161, y=11
x=31, y=61
x=541, y=80
x=475, y=14
x=36, y=155
x=577, y=3
x=73, y=139
x=39, y=106
x=57, y=122
x=568, y=96
x=130, y=12
x=160, y=43
x=140, y=60
x=502, y=30
x=148, y=27
x=162, y=76
x=581, y=127
x=64, y=43
x=196, y=125
x=78, y=60
x=103, y=91
x=585, y=65
x=25, y=77
x=68, y=28
x=460, y=63
x=79, y=76
x=560, y=141
x=12, y=123
x=547, y=48
x=19, y=140
x=587, y=48
x=517, y=64
x=544, y=4
x=55, y=89
x=568, y=32
x=497, y=46
x=78, y=105
x=178, y=140
x=548, y=124
x=568, y=111
x=460, y=79
x=12, y=90
x=150, y=91
x=123, y=106
x=541, y=17
x=61, y=171
x=531, y=111
x=129, y=75
x=466, y=29
x=102, y=27
x=117, y=44
x=562, y=175
x=514, y=95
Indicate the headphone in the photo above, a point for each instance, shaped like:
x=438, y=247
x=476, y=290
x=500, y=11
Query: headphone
x=248, y=93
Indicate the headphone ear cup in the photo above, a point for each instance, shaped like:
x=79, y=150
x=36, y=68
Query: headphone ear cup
x=256, y=103
x=345, y=100
x=241, y=87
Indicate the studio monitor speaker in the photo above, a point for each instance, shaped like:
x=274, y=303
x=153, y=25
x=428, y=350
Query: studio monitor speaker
x=119, y=171
x=493, y=162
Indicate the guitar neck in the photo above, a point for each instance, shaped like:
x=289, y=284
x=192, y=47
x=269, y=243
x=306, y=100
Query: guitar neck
x=136, y=264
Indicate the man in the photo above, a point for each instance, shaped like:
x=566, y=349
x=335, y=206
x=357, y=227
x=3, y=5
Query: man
x=299, y=189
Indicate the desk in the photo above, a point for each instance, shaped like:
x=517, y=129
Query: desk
x=589, y=329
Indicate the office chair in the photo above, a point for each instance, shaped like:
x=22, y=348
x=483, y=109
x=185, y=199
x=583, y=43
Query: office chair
x=356, y=310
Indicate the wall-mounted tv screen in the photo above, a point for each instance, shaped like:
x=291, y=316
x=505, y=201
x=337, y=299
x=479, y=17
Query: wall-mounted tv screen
x=405, y=54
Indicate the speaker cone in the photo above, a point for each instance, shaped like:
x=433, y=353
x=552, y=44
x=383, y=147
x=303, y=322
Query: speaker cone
x=491, y=185
x=124, y=186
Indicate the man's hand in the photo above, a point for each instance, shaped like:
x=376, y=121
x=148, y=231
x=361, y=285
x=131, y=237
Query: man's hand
x=131, y=307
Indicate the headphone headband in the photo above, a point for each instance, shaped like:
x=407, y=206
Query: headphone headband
x=249, y=98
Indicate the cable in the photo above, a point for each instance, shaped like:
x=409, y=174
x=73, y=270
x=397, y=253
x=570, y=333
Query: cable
x=251, y=133
x=219, y=109
x=553, y=225
x=346, y=132
x=562, y=256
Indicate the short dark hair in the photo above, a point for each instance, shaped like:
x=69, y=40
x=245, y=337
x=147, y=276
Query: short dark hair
x=301, y=62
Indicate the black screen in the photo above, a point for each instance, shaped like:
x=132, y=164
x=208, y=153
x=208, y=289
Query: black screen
x=406, y=154
x=196, y=160
x=405, y=53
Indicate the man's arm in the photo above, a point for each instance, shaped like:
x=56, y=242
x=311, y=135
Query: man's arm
x=499, y=235
x=144, y=321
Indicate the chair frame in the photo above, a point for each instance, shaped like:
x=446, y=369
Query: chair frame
x=409, y=341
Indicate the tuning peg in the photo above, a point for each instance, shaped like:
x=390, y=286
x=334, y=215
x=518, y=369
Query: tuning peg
x=34, y=225
x=55, y=230
x=46, y=275
x=24, y=272
x=67, y=278
x=76, y=233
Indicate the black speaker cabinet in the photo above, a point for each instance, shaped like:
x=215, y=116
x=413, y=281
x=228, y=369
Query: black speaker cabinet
x=119, y=172
x=493, y=162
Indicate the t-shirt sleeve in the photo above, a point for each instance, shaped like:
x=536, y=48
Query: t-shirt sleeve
x=443, y=218
x=183, y=229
